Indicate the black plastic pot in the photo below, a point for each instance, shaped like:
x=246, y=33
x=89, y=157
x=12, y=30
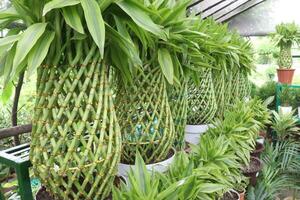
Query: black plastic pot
x=259, y=148
x=251, y=170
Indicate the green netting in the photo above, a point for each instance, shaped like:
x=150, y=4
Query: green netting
x=76, y=140
x=202, y=104
x=178, y=104
x=145, y=117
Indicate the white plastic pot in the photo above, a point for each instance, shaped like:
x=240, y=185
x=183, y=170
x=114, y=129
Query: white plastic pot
x=260, y=140
x=285, y=109
x=193, y=132
x=163, y=166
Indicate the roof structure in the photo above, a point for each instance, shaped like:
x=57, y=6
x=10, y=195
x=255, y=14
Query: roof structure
x=221, y=10
x=249, y=17
x=262, y=19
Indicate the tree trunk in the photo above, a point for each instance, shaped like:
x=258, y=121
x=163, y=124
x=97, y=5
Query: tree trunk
x=14, y=113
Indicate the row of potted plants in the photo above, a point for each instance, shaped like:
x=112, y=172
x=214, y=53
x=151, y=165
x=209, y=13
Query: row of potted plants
x=281, y=160
x=212, y=169
x=105, y=70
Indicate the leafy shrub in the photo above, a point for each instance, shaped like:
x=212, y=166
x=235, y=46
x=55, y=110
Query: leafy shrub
x=267, y=90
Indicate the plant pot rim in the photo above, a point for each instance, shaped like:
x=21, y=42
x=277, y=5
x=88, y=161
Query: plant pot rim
x=162, y=166
x=260, y=149
x=285, y=69
x=197, y=128
x=241, y=192
x=234, y=192
x=247, y=170
x=173, y=150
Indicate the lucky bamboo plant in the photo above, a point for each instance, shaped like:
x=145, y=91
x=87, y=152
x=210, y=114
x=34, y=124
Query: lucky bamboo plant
x=76, y=139
x=143, y=107
x=286, y=35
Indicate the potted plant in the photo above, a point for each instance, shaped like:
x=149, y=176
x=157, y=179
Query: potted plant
x=252, y=169
x=285, y=125
x=240, y=188
x=286, y=35
x=231, y=195
x=201, y=108
x=143, y=105
x=76, y=138
x=259, y=148
x=287, y=98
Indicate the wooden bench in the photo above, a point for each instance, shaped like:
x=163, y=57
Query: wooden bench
x=18, y=158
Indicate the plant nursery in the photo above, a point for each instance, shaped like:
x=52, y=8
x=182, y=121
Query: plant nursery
x=148, y=100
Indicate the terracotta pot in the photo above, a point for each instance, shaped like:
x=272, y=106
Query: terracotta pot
x=252, y=170
x=258, y=149
x=242, y=194
x=285, y=75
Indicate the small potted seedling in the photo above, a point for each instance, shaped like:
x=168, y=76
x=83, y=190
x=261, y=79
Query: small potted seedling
x=241, y=187
x=286, y=99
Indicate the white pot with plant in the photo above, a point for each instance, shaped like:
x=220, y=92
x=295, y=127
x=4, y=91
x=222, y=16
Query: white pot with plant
x=202, y=107
x=286, y=99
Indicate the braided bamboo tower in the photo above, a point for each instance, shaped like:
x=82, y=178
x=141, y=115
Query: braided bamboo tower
x=178, y=104
x=240, y=86
x=202, y=100
x=145, y=118
x=245, y=86
x=220, y=86
x=76, y=140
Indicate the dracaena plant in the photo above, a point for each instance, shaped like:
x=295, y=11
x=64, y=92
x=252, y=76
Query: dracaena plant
x=285, y=125
x=76, y=139
x=143, y=184
x=216, y=151
x=240, y=128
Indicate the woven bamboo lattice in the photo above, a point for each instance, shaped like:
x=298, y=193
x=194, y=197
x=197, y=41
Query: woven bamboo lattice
x=220, y=90
x=178, y=104
x=145, y=117
x=202, y=100
x=76, y=140
x=240, y=86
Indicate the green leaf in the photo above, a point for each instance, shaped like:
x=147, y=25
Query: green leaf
x=9, y=64
x=73, y=19
x=8, y=39
x=58, y=4
x=39, y=52
x=210, y=187
x=7, y=92
x=165, y=62
x=27, y=41
x=9, y=13
x=94, y=22
x=141, y=18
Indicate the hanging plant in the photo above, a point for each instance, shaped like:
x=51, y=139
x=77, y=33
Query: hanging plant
x=76, y=139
